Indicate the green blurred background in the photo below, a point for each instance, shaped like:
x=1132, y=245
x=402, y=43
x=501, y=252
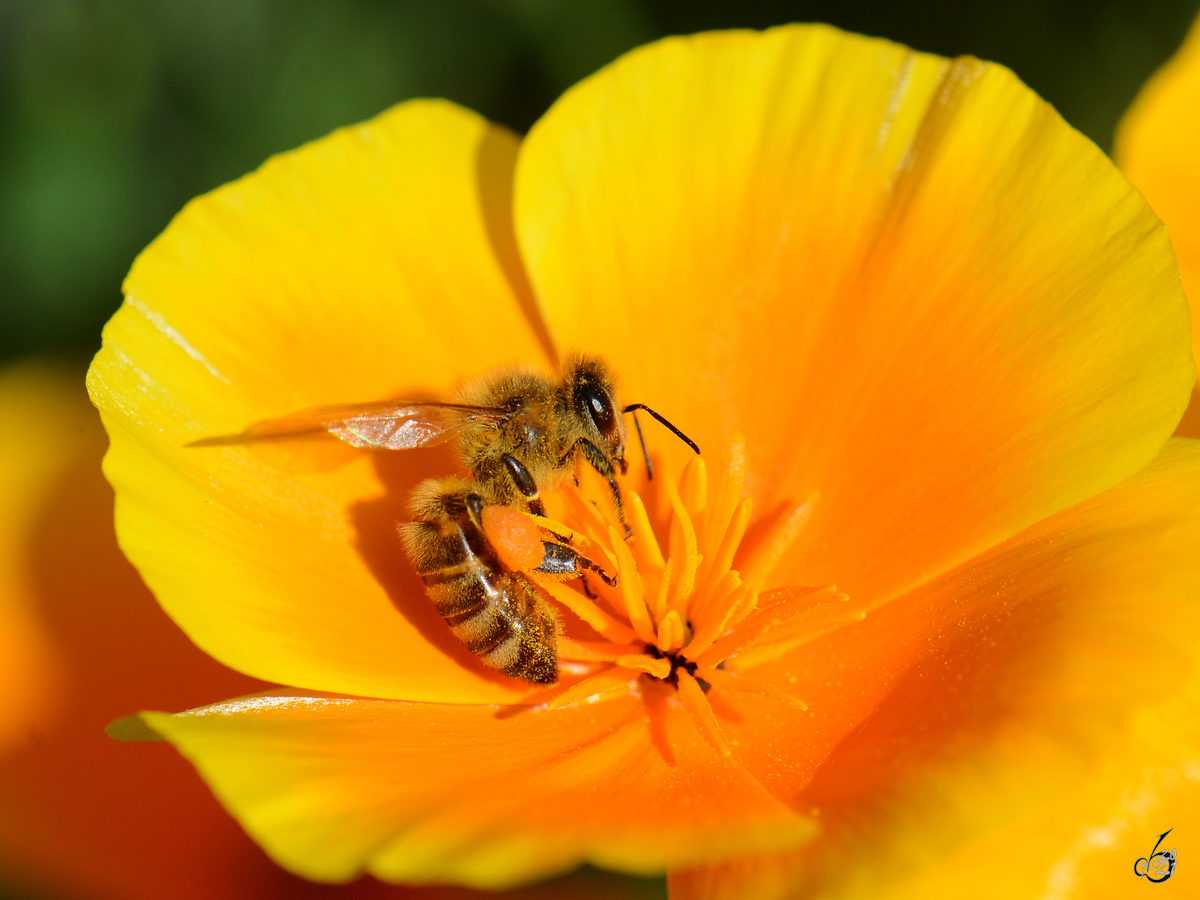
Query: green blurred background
x=114, y=112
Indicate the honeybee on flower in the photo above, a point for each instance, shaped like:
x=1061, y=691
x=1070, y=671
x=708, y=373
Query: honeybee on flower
x=519, y=434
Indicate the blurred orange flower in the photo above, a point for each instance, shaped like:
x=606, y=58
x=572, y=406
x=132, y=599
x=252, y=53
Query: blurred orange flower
x=1158, y=147
x=933, y=345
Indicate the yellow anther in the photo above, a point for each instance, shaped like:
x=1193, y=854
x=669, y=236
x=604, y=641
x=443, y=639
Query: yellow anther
x=670, y=632
x=697, y=705
x=601, y=686
x=658, y=667
x=632, y=590
x=602, y=622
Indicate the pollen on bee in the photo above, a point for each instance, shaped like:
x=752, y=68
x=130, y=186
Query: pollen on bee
x=514, y=536
x=689, y=610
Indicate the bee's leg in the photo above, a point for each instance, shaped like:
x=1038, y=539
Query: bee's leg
x=471, y=525
x=565, y=561
x=603, y=465
x=587, y=588
x=528, y=489
x=524, y=484
x=474, y=509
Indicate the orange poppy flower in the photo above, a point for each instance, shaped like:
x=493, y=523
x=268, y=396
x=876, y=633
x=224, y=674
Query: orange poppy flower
x=936, y=557
x=1157, y=146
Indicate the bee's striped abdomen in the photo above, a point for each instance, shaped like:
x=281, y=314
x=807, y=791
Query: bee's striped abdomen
x=498, y=615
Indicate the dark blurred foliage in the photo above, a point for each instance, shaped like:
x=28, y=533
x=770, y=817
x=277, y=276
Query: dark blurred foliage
x=114, y=112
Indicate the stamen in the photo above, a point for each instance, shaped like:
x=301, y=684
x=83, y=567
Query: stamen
x=664, y=590
x=670, y=632
x=602, y=622
x=659, y=667
x=775, y=647
x=786, y=605
x=589, y=501
x=556, y=527
x=714, y=625
x=743, y=685
x=632, y=590
x=698, y=707
x=763, y=560
x=743, y=603
x=722, y=559
x=729, y=493
x=644, y=542
x=693, y=487
x=683, y=546
x=609, y=683
x=584, y=512
x=708, y=610
x=593, y=651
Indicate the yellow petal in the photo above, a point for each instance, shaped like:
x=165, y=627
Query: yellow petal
x=906, y=280
x=1022, y=688
x=1084, y=842
x=1158, y=147
x=374, y=263
x=477, y=795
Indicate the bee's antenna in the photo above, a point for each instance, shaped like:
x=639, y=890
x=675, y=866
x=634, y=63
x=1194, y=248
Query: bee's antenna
x=633, y=408
x=642, y=440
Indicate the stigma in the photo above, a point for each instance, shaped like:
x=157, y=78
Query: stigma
x=689, y=611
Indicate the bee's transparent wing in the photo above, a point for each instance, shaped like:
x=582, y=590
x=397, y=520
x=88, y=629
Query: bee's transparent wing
x=383, y=425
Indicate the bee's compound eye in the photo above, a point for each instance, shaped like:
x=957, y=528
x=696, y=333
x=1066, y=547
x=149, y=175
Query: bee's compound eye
x=600, y=408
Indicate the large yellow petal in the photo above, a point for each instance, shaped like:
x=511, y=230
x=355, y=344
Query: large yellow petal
x=1022, y=687
x=1086, y=841
x=477, y=795
x=375, y=263
x=1158, y=147
x=906, y=280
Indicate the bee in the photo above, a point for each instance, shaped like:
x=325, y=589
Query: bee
x=519, y=434
x=480, y=585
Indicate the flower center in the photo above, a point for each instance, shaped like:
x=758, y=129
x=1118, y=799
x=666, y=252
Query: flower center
x=677, y=661
x=691, y=612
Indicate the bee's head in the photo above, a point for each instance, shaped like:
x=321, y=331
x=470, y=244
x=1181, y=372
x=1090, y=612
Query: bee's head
x=592, y=395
